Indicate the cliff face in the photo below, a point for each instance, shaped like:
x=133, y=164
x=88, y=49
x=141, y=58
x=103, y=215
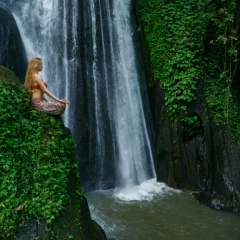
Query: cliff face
x=40, y=190
x=11, y=47
x=193, y=152
x=208, y=162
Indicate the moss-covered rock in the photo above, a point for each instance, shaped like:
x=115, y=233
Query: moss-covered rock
x=40, y=193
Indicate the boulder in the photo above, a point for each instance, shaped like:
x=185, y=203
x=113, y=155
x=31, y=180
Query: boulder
x=40, y=184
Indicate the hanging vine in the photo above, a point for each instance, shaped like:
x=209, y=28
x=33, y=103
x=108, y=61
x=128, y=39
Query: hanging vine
x=175, y=39
x=190, y=41
x=223, y=64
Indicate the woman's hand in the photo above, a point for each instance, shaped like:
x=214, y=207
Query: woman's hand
x=64, y=101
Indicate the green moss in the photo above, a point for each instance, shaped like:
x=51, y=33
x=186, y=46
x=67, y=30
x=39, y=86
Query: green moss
x=175, y=40
x=7, y=76
x=190, y=41
x=70, y=224
x=38, y=166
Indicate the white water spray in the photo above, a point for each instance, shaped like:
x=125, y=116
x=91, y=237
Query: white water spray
x=131, y=130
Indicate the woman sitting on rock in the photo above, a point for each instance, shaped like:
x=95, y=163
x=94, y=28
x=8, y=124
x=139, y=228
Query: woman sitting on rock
x=37, y=88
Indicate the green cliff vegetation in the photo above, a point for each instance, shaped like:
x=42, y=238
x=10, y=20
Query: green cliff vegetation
x=37, y=164
x=191, y=41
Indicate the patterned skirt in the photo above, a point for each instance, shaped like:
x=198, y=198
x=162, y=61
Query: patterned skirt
x=49, y=107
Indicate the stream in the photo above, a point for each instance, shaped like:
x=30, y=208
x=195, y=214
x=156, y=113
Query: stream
x=153, y=211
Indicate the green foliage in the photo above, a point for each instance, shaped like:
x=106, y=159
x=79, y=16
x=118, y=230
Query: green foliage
x=194, y=40
x=36, y=156
x=222, y=55
x=174, y=32
x=191, y=127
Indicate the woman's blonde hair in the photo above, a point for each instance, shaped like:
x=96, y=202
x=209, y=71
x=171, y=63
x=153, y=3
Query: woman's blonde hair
x=33, y=67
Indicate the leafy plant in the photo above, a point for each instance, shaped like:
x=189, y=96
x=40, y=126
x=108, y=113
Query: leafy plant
x=223, y=63
x=175, y=39
x=190, y=41
x=191, y=127
x=36, y=155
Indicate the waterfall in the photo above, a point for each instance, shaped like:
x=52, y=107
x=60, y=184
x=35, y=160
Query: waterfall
x=120, y=132
x=131, y=130
x=90, y=57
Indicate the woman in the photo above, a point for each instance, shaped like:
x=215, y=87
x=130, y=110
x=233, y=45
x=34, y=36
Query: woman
x=38, y=88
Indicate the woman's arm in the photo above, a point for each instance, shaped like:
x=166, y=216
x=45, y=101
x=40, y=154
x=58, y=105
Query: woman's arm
x=44, y=89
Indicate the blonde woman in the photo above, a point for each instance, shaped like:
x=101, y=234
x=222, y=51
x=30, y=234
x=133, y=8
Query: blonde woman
x=38, y=88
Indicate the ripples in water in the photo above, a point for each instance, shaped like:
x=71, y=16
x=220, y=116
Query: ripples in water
x=153, y=211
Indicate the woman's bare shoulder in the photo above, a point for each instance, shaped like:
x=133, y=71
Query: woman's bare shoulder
x=36, y=77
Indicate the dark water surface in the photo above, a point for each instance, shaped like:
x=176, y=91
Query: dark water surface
x=153, y=211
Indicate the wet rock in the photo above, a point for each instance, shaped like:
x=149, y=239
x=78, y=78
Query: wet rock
x=32, y=230
x=12, y=51
x=216, y=201
x=100, y=232
x=208, y=161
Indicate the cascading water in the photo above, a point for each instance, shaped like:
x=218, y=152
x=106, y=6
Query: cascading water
x=89, y=55
x=131, y=129
x=120, y=146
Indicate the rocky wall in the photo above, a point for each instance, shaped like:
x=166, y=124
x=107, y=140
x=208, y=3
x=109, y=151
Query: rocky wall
x=12, y=51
